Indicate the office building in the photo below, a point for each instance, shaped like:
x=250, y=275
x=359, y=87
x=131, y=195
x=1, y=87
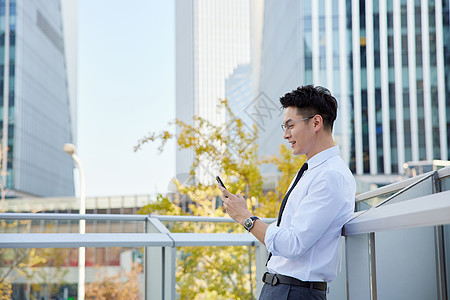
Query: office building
x=386, y=62
x=238, y=92
x=38, y=52
x=212, y=39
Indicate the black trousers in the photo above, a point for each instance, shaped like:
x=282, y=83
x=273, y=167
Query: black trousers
x=288, y=292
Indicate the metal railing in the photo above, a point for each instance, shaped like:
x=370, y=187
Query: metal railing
x=159, y=242
x=402, y=240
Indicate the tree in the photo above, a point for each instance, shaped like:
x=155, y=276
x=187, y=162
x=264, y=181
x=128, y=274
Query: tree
x=229, y=150
x=5, y=290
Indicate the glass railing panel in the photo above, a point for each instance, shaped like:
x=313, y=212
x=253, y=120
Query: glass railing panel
x=445, y=183
x=396, y=192
x=338, y=287
x=62, y=226
x=216, y=273
x=421, y=188
x=374, y=201
x=406, y=264
x=114, y=273
x=52, y=273
x=204, y=227
x=15, y=226
x=115, y=227
x=28, y=226
x=36, y=273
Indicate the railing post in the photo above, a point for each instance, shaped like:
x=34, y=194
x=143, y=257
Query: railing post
x=159, y=266
x=439, y=236
x=260, y=262
x=441, y=272
x=360, y=263
x=169, y=269
x=153, y=273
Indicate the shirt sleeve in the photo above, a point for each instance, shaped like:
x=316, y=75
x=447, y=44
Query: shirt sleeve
x=315, y=214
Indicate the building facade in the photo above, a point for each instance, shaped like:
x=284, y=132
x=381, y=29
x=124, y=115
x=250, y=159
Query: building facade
x=386, y=62
x=239, y=93
x=36, y=98
x=212, y=39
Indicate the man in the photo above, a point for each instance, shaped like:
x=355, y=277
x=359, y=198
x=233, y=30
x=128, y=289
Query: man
x=304, y=244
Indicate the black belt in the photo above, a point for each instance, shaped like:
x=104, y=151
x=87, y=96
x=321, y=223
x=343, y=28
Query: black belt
x=274, y=279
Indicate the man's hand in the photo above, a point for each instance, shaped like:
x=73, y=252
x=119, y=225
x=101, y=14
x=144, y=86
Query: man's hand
x=236, y=206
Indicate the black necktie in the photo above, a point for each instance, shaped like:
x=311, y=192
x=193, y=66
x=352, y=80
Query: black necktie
x=283, y=204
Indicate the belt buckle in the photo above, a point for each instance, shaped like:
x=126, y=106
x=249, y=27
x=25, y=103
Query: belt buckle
x=274, y=281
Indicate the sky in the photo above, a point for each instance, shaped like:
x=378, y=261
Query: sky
x=126, y=89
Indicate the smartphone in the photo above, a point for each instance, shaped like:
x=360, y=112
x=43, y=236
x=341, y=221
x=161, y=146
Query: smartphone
x=221, y=183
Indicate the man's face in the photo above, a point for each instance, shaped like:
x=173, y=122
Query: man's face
x=299, y=133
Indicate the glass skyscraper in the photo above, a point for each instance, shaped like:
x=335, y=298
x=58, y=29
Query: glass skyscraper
x=35, y=104
x=212, y=39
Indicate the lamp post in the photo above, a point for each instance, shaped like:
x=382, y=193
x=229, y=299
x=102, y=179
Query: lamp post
x=71, y=150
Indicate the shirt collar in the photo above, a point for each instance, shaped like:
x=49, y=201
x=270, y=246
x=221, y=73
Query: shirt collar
x=321, y=157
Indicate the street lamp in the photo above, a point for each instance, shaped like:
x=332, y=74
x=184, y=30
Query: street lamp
x=71, y=150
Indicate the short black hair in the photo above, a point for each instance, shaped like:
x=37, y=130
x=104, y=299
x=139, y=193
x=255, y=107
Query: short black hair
x=312, y=100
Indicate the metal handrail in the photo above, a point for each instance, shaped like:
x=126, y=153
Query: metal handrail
x=162, y=238
x=117, y=217
x=75, y=240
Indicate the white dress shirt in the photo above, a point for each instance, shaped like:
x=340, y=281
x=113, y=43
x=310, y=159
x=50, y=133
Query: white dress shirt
x=306, y=244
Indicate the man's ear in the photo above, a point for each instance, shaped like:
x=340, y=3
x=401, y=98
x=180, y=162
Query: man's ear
x=317, y=122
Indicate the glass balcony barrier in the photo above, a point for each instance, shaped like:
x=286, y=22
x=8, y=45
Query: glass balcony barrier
x=397, y=248
x=137, y=255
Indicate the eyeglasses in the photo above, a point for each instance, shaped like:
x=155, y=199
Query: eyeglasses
x=290, y=125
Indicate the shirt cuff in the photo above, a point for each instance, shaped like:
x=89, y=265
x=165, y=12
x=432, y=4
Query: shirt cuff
x=271, y=232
